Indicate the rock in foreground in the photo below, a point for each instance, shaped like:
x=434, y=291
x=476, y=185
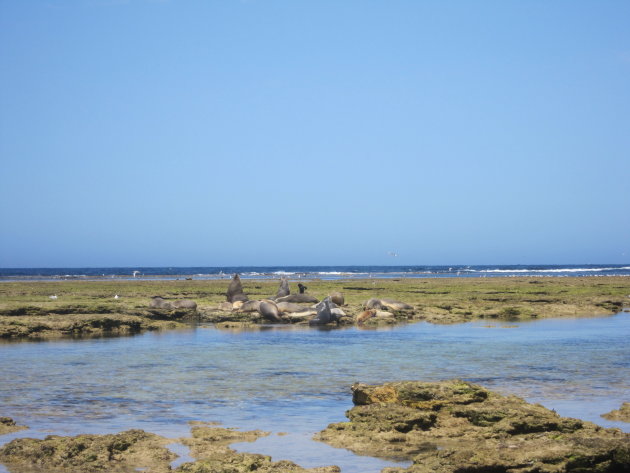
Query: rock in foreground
x=89, y=453
x=459, y=427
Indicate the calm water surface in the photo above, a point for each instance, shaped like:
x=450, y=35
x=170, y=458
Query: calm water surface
x=296, y=380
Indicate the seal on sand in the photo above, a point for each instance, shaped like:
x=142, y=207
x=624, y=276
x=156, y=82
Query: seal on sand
x=235, y=290
x=283, y=290
x=269, y=310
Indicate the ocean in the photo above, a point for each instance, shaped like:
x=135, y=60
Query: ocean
x=313, y=272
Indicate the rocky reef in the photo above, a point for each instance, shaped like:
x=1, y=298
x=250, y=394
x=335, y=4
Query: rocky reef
x=622, y=414
x=137, y=450
x=88, y=453
x=209, y=445
x=459, y=427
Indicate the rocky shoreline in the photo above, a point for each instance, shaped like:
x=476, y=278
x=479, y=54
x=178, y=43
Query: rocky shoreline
x=42, y=310
x=455, y=426
x=443, y=427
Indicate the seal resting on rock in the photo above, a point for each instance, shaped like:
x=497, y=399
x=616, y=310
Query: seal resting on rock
x=290, y=307
x=303, y=288
x=325, y=313
x=304, y=298
x=185, y=304
x=386, y=304
x=249, y=306
x=365, y=315
x=269, y=310
x=337, y=298
x=235, y=290
x=158, y=303
x=283, y=290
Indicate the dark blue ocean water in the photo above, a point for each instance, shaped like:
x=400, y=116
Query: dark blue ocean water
x=314, y=272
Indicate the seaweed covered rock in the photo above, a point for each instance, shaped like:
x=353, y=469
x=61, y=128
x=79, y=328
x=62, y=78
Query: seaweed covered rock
x=209, y=445
x=456, y=427
x=8, y=425
x=622, y=414
x=89, y=453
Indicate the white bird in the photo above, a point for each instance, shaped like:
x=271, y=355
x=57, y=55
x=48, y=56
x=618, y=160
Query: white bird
x=53, y=297
x=392, y=253
x=135, y=273
x=116, y=296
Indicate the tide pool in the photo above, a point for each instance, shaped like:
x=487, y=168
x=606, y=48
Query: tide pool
x=295, y=380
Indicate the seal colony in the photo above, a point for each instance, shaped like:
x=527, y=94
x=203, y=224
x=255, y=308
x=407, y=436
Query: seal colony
x=97, y=308
x=285, y=307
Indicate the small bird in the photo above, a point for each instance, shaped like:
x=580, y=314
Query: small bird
x=53, y=297
x=116, y=296
x=135, y=273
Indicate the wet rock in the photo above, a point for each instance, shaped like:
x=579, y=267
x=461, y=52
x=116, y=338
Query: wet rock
x=622, y=414
x=459, y=427
x=209, y=445
x=8, y=425
x=89, y=453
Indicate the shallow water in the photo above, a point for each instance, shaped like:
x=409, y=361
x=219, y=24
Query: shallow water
x=296, y=380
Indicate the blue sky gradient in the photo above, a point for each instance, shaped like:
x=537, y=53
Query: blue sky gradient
x=267, y=132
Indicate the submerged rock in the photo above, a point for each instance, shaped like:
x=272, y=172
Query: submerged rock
x=209, y=446
x=8, y=425
x=622, y=414
x=455, y=427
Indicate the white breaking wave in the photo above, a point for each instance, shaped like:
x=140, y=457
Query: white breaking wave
x=560, y=270
x=282, y=273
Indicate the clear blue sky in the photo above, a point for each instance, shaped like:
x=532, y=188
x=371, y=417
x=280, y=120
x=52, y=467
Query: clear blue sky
x=267, y=132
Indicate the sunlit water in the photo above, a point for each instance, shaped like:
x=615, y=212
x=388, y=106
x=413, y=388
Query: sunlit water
x=296, y=380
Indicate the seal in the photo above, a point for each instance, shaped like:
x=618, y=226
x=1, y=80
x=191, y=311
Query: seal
x=325, y=314
x=283, y=290
x=365, y=315
x=299, y=298
x=249, y=306
x=158, y=303
x=303, y=288
x=235, y=290
x=337, y=298
x=387, y=304
x=284, y=307
x=185, y=304
x=269, y=310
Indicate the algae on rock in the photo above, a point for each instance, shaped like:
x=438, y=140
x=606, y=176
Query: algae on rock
x=456, y=426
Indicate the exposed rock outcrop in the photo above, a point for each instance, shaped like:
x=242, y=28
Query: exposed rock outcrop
x=456, y=427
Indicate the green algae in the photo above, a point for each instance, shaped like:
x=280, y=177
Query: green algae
x=26, y=309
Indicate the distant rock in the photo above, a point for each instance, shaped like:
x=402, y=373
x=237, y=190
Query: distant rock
x=622, y=414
